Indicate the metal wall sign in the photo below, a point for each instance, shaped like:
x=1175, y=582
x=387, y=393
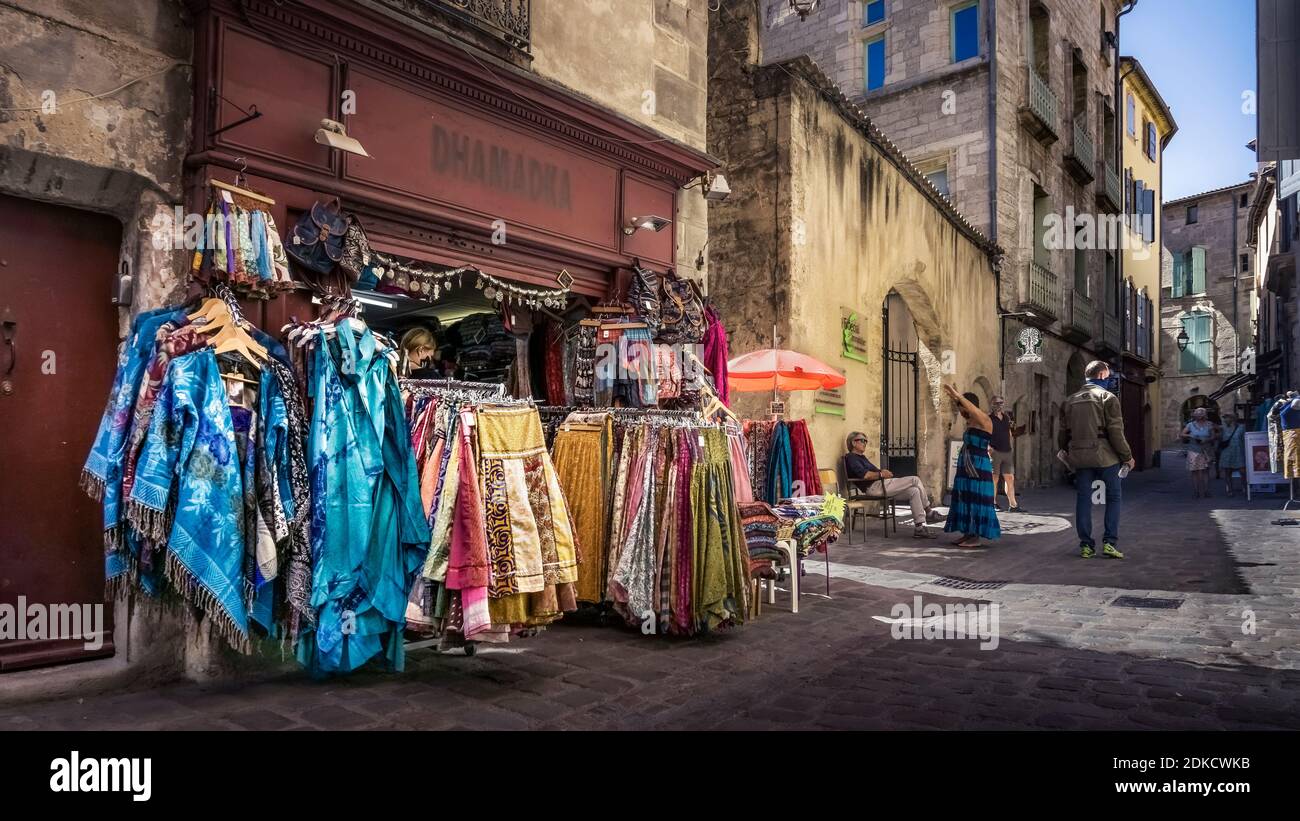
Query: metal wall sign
x=1030, y=344
x=830, y=401
x=853, y=335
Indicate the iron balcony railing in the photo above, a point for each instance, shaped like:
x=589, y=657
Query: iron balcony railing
x=1083, y=146
x=1042, y=102
x=1043, y=294
x=509, y=20
x=1080, y=315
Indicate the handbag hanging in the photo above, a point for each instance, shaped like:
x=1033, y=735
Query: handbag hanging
x=682, y=319
x=356, y=251
x=316, y=242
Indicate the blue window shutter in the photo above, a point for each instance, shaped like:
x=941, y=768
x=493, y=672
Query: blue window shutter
x=876, y=63
x=1149, y=211
x=1202, y=340
x=1180, y=275
x=1288, y=178
x=965, y=32
x=1198, y=270
x=875, y=12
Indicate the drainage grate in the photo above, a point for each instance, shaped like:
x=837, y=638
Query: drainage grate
x=1151, y=604
x=1256, y=564
x=958, y=583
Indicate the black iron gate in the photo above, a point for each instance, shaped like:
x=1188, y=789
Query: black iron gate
x=898, y=434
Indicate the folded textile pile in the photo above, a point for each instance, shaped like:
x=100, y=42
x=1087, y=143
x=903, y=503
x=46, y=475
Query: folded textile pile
x=818, y=521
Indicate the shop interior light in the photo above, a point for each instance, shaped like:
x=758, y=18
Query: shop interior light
x=649, y=223
x=369, y=300
x=333, y=134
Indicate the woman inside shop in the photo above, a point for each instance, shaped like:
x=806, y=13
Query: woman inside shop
x=1232, y=451
x=1200, y=435
x=972, y=512
x=420, y=354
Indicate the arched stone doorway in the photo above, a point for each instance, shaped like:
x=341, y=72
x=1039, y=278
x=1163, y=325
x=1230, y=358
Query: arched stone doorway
x=1199, y=401
x=900, y=399
x=1074, y=377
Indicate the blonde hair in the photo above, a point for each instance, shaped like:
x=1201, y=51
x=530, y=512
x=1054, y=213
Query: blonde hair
x=412, y=341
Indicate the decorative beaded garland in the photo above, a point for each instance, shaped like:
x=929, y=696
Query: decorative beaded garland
x=430, y=283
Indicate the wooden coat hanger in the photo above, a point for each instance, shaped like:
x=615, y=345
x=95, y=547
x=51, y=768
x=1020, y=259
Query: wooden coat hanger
x=237, y=188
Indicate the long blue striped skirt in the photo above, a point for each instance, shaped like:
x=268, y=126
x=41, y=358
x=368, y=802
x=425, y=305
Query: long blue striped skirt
x=972, y=510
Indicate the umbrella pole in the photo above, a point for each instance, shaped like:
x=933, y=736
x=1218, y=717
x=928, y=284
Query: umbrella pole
x=776, y=377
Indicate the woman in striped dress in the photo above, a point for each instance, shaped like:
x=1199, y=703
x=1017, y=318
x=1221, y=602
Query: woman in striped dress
x=972, y=512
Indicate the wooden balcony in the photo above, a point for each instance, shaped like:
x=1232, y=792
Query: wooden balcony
x=1039, y=115
x=1080, y=317
x=1109, y=197
x=1081, y=158
x=1107, y=338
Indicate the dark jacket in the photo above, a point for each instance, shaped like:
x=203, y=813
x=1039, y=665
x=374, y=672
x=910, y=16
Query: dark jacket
x=1092, y=429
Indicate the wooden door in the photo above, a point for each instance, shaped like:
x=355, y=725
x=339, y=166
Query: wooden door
x=56, y=269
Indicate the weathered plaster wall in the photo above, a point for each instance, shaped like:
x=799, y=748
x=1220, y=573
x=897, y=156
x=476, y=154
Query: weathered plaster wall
x=822, y=219
x=644, y=59
x=120, y=154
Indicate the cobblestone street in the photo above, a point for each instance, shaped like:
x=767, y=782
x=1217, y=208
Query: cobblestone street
x=1068, y=657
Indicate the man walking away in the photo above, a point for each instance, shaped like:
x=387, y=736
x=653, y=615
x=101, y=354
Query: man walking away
x=1092, y=433
x=1002, y=450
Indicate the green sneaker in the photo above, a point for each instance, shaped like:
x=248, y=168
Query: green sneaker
x=1087, y=551
x=1110, y=551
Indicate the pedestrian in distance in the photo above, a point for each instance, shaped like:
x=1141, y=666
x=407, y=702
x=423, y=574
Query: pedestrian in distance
x=1202, y=438
x=1002, y=450
x=972, y=512
x=1092, y=437
x=1232, y=451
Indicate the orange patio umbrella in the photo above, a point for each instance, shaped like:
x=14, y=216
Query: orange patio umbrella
x=776, y=369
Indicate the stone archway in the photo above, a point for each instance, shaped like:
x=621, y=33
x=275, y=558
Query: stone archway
x=1074, y=373
x=1198, y=401
x=914, y=318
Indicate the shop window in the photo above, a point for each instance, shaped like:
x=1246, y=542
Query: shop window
x=875, y=63
x=964, y=28
x=873, y=12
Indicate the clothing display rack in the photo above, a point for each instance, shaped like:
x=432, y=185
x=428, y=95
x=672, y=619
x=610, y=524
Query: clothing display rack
x=442, y=385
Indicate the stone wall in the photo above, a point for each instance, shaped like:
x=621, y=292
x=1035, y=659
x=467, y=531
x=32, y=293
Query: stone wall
x=120, y=153
x=824, y=218
x=644, y=59
x=1220, y=228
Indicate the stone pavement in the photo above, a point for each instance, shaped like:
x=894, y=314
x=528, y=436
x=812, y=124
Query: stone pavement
x=1228, y=657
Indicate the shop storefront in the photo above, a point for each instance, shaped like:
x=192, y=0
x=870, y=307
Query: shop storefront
x=471, y=162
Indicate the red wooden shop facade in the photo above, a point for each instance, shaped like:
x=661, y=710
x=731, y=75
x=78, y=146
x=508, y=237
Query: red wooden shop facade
x=458, y=141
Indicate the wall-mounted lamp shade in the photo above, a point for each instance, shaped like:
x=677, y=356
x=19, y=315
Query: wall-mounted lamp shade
x=334, y=135
x=648, y=223
x=1183, y=339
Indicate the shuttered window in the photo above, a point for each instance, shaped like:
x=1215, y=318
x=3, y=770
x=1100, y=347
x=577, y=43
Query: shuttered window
x=1197, y=357
x=1198, y=270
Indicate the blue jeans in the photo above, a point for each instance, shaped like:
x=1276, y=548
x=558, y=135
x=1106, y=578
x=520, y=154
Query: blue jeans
x=1083, y=480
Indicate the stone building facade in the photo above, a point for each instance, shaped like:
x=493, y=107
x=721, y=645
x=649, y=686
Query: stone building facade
x=830, y=228
x=1208, y=282
x=1011, y=112
x=1274, y=231
x=97, y=113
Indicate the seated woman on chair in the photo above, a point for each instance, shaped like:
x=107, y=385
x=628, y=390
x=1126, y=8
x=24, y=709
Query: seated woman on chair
x=858, y=468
